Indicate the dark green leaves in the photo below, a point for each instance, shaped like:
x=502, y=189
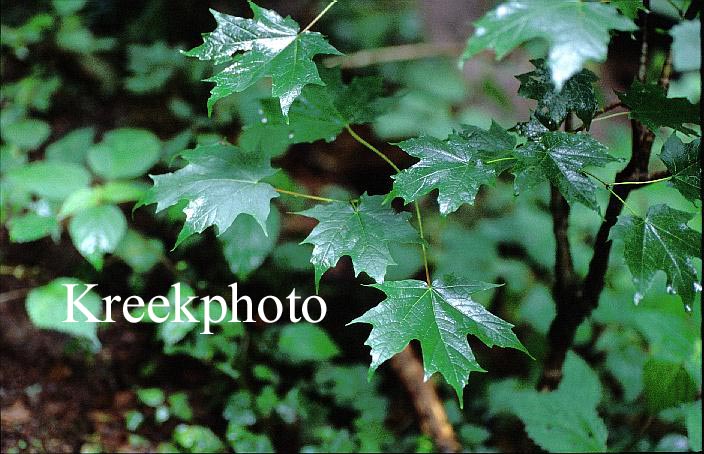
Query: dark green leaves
x=220, y=183
x=363, y=230
x=661, y=241
x=649, y=104
x=682, y=160
x=319, y=113
x=576, y=96
x=666, y=384
x=457, y=166
x=560, y=158
x=271, y=46
x=576, y=31
x=439, y=317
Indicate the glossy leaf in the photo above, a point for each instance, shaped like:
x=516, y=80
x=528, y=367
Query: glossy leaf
x=661, y=241
x=560, y=157
x=321, y=112
x=439, y=317
x=97, y=231
x=220, y=182
x=577, y=95
x=649, y=104
x=457, y=166
x=364, y=230
x=270, y=46
x=576, y=32
x=682, y=160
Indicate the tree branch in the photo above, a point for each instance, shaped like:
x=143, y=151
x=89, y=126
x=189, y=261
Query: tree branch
x=395, y=53
x=432, y=417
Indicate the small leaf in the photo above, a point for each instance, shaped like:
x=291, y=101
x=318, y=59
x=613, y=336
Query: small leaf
x=151, y=397
x=439, y=317
x=139, y=252
x=629, y=8
x=31, y=227
x=27, y=134
x=52, y=180
x=72, y=147
x=457, y=166
x=576, y=32
x=246, y=246
x=686, y=46
x=649, y=104
x=560, y=157
x=364, y=231
x=661, y=241
x=666, y=385
x=124, y=153
x=576, y=96
x=97, y=231
x=220, y=183
x=682, y=160
x=693, y=419
x=197, y=439
x=306, y=342
x=271, y=46
x=47, y=308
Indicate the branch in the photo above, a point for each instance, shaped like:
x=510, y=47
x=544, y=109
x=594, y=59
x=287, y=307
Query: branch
x=395, y=53
x=432, y=417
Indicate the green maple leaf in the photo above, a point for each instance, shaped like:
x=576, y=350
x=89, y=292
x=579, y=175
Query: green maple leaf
x=320, y=112
x=576, y=31
x=220, y=182
x=661, y=241
x=649, y=104
x=439, y=316
x=364, y=231
x=629, y=8
x=577, y=95
x=457, y=166
x=560, y=158
x=682, y=160
x=271, y=46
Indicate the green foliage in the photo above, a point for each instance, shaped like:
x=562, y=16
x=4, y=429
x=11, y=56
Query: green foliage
x=439, y=316
x=306, y=342
x=661, y=241
x=271, y=46
x=220, y=182
x=97, y=231
x=649, y=104
x=575, y=31
x=362, y=229
x=53, y=180
x=124, y=153
x=46, y=307
x=457, y=166
x=682, y=160
x=686, y=43
x=245, y=245
x=666, y=385
x=577, y=95
x=560, y=158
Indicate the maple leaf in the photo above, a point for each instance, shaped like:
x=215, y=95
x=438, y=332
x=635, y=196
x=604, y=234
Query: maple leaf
x=364, y=231
x=661, y=241
x=271, y=46
x=649, y=104
x=576, y=31
x=457, y=166
x=220, y=182
x=682, y=160
x=560, y=157
x=439, y=316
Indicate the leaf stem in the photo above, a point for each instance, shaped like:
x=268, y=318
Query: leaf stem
x=417, y=207
x=507, y=158
x=606, y=117
x=608, y=188
x=317, y=18
x=372, y=148
x=657, y=180
x=306, y=196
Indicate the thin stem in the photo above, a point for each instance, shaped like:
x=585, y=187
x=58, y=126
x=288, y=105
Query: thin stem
x=403, y=52
x=418, y=216
x=608, y=188
x=657, y=180
x=306, y=196
x=317, y=18
x=606, y=117
x=372, y=148
x=508, y=158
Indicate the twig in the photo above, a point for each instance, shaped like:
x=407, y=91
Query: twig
x=431, y=413
x=317, y=18
x=12, y=295
x=394, y=53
